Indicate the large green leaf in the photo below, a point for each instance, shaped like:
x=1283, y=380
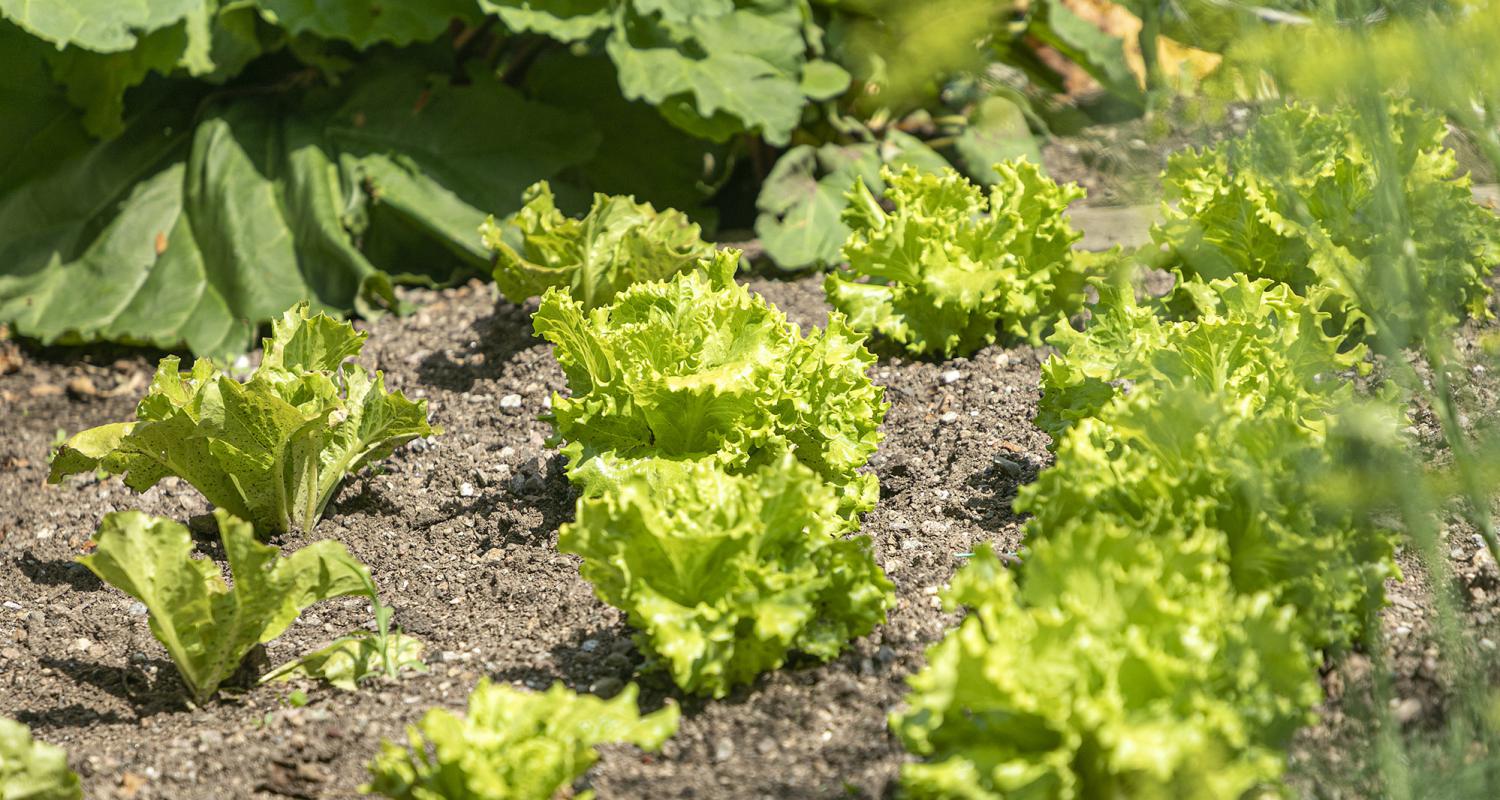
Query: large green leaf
x=206, y=626
x=194, y=233
x=365, y=23
x=715, y=69
x=564, y=20
x=104, y=26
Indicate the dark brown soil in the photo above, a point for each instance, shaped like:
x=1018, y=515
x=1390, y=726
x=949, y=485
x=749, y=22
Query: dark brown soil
x=460, y=533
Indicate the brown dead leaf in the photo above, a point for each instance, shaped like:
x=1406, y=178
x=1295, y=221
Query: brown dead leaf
x=131, y=784
x=82, y=386
x=45, y=390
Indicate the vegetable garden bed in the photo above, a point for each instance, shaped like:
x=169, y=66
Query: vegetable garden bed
x=460, y=533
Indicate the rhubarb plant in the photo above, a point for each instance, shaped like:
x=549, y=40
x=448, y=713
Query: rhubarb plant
x=948, y=265
x=513, y=743
x=207, y=625
x=699, y=367
x=272, y=450
x=619, y=242
x=725, y=575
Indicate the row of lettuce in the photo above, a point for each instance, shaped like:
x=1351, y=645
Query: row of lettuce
x=1191, y=557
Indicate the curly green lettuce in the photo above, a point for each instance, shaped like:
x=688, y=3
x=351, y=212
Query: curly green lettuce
x=699, y=367
x=1167, y=460
x=619, y=242
x=207, y=626
x=272, y=450
x=513, y=744
x=1121, y=666
x=948, y=265
x=32, y=770
x=724, y=575
x=1300, y=199
x=1255, y=340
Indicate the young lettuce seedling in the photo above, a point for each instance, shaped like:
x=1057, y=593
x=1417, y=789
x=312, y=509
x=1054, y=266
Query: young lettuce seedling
x=351, y=659
x=206, y=626
x=32, y=770
x=271, y=450
x=513, y=744
x=618, y=243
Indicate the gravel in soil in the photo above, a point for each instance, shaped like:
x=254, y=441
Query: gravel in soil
x=460, y=533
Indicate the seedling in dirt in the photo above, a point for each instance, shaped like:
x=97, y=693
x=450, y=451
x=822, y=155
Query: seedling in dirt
x=513, y=743
x=618, y=243
x=32, y=770
x=271, y=450
x=947, y=266
x=206, y=626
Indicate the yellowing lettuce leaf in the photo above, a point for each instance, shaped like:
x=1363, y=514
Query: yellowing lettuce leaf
x=618, y=243
x=513, y=743
x=698, y=367
x=1121, y=665
x=347, y=662
x=32, y=770
x=206, y=626
x=1299, y=200
x=724, y=575
x=948, y=265
x=1254, y=340
x=271, y=450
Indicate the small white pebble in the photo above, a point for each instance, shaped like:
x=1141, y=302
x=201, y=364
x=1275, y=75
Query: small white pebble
x=510, y=401
x=467, y=489
x=589, y=645
x=948, y=417
x=952, y=376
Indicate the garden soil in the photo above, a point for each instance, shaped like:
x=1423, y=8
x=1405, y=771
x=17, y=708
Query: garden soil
x=460, y=534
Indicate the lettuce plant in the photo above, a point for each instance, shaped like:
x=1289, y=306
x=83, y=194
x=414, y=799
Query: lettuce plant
x=939, y=272
x=513, y=744
x=1170, y=460
x=1300, y=200
x=698, y=367
x=1255, y=340
x=32, y=770
x=207, y=626
x=271, y=450
x=1121, y=666
x=725, y=574
x=618, y=243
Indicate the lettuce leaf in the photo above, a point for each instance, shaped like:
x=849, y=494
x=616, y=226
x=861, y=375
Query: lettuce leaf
x=1121, y=666
x=351, y=659
x=1169, y=459
x=698, y=367
x=271, y=450
x=1299, y=200
x=1255, y=340
x=618, y=243
x=32, y=770
x=947, y=265
x=513, y=744
x=206, y=626
x=725, y=574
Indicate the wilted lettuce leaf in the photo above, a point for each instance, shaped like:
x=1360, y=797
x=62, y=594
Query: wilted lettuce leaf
x=725, y=574
x=513, y=743
x=940, y=271
x=1255, y=340
x=271, y=450
x=698, y=367
x=1166, y=460
x=206, y=626
x=618, y=243
x=1296, y=200
x=355, y=658
x=32, y=770
x=1122, y=666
